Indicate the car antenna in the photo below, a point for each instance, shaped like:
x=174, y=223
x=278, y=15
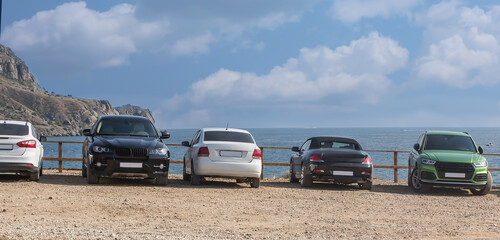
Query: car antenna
x=227, y=126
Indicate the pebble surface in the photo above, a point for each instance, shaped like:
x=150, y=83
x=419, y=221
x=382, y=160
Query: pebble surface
x=64, y=206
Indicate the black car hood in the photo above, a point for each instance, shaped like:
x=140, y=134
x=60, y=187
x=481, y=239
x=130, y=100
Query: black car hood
x=127, y=142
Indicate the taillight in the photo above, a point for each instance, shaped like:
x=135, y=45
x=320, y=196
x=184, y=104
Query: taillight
x=367, y=160
x=257, y=154
x=203, y=152
x=27, y=144
x=315, y=158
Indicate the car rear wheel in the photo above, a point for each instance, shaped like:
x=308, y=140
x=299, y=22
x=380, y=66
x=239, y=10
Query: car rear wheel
x=92, y=178
x=415, y=182
x=35, y=176
x=366, y=185
x=195, y=179
x=255, y=182
x=185, y=176
x=486, y=189
x=305, y=179
x=293, y=179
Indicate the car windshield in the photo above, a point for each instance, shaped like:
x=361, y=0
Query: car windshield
x=126, y=127
x=449, y=142
x=333, y=144
x=227, y=136
x=13, y=129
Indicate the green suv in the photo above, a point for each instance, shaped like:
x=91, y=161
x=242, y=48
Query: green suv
x=443, y=158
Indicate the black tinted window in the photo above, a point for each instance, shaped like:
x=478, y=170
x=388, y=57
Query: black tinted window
x=13, y=129
x=226, y=136
x=331, y=144
x=449, y=142
x=126, y=126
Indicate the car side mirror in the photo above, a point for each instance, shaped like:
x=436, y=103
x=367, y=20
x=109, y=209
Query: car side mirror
x=480, y=149
x=295, y=149
x=416, y=147
x=86, y=132
x=165, y=134
x=186, y=144
x=42, y=139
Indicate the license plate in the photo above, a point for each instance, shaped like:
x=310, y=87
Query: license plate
x=342, y=173
x=130, y=165
x=454, y=175
x=6, y=147
x=230, y=154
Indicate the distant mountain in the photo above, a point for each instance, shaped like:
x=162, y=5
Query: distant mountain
x=21, y=98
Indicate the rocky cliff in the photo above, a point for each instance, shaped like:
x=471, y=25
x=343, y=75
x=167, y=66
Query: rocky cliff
x=21, y=98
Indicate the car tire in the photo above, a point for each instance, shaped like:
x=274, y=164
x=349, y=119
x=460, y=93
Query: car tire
x=292, y=177
x=41, y=169
x=255, y=182
x=35, y=176
x=84, y=170
x=305, y=179
x=163, y=180
x=409, y=174
x=92, y=178
x=415, y=182
x=195, y=179
x=486, y=189
x=366, y=185
x=185, y=176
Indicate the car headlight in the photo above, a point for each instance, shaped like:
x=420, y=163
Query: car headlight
x=428, y=161
x=158, y=151
x=480, y=164
x=100, y=149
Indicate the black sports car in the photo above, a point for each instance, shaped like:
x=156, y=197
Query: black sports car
x=340, y=160
x=125, y=146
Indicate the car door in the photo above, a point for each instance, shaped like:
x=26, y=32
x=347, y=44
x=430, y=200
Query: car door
x=191, y=152
x=298, y=158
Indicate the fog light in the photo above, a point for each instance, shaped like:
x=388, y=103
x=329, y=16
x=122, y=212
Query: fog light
x=98, y=164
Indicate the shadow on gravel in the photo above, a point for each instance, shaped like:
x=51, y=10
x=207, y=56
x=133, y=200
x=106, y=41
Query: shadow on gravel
x=13, y=178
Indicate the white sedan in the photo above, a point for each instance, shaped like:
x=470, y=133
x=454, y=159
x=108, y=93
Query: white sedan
x=20, y=149
x=221, y=152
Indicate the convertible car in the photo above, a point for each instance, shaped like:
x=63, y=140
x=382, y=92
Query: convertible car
x=333, y=159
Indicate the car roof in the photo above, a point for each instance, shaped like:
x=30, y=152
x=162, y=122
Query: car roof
x=15, y=122
x=122, y=117
x=436, y=132
x=225, y=129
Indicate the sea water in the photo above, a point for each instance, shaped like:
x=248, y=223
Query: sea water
x=369, y=138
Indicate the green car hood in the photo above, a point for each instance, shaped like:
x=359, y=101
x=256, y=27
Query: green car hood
x=452, y=156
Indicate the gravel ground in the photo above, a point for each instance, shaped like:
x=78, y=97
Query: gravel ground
x=63, y=206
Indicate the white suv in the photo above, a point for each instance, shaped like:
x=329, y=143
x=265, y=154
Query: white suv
x=20, y=149
x=221, y=152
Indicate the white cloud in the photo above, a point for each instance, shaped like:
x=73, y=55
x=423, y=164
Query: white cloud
x=354, y=10
x=74, y=38
x=463, y=45
x=346, y=76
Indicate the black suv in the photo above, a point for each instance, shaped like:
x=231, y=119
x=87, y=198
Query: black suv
x=125, y=146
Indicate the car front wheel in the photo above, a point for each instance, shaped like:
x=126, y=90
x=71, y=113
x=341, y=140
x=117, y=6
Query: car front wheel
x=293, y=179
x=195, y=179
x=486, y=189
x=415, y=182
x=185, y=176
x=92, y=178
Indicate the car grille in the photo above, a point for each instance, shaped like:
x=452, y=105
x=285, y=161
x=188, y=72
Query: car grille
x=427, y=175
x=480, y=177
x=443, y=167
x=134, y=152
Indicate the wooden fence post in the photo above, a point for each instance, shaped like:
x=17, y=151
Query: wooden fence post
x=395, y=167
x=60, y=157
x=262, y=167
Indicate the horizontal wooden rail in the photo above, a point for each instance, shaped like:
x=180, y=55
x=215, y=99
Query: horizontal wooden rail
x=395, y=167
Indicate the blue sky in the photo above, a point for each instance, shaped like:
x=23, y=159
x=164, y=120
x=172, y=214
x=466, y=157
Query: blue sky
x=281, y=63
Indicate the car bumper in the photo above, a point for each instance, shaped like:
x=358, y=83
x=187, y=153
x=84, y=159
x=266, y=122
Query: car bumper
x=341, y=172
x=108, y=166
x=430, y=176
x=206, y=167
x=17, y=167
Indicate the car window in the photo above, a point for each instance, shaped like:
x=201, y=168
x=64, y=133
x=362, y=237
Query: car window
x=13, y=129
x=305, y=146
x=227, y=136
x=33, y=132
x=333, y=144
x=196, y=138
x=449, y=142
x=126, y=127
x=420, y=139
